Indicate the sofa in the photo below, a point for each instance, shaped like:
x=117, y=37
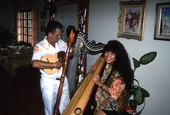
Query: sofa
x=13, y=57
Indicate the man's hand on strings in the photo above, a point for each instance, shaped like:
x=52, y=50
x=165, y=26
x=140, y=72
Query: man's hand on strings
x=59, y=64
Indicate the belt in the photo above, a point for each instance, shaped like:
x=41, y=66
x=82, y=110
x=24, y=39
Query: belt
x=57, y=78
x=53, y=78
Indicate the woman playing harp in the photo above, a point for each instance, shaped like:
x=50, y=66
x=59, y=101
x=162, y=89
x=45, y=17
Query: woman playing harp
x=115, y=81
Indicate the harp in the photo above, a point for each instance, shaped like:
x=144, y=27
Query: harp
x=81, y=98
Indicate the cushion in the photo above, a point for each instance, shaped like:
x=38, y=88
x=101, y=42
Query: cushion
x=26, y=50
x=13, y=49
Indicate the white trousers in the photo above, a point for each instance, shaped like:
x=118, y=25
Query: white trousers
x=49, y=89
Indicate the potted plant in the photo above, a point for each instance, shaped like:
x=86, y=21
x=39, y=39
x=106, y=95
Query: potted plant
x=137, y=94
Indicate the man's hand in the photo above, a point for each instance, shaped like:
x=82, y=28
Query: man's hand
x=59, y=64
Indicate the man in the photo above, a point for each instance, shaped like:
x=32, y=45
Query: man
x=49, y=82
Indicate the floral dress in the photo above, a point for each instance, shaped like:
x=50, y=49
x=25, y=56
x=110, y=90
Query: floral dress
x=115, y=99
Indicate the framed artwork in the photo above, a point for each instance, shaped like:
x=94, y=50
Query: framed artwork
x=162, y=21
x=131, y=19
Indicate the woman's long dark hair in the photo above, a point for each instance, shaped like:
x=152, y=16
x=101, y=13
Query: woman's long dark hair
x=122, y=62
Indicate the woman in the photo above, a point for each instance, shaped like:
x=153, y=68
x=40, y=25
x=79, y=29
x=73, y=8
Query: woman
x=116, y=80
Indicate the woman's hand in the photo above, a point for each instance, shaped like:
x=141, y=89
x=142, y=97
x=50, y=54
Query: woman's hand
x=97, y=80
x=92, y=69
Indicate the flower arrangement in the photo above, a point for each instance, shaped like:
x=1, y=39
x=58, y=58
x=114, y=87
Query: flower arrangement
x=132, y=20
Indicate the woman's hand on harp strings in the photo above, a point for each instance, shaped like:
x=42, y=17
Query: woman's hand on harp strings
x=97, y=80
x=92, y=69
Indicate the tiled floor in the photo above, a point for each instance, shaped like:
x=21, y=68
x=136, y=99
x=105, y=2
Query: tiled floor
x=20, y=96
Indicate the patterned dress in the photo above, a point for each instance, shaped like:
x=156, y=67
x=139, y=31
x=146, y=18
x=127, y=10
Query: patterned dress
x=115, y=99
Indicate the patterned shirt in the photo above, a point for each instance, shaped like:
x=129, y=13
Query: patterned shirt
x=115, y=99
x=44, y=48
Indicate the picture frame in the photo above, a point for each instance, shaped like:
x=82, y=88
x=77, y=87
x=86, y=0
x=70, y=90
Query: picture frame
x=162, y=22
x=131, y=19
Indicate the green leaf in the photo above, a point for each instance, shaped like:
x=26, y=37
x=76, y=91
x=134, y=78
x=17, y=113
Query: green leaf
x=136, y=63
x=147, y=58
x=145, y=93
x=132, y=104
x=133, y=88
x=138, y=96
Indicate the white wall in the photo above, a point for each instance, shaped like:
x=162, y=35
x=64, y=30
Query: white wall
x=67, y=15
x=154, y=77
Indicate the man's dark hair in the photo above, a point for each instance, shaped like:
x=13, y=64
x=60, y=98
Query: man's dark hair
x=52, y=26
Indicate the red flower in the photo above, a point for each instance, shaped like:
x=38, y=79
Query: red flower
x=130, y=110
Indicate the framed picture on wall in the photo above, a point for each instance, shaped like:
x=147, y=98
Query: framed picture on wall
x=131, y=19
x=162, y=21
